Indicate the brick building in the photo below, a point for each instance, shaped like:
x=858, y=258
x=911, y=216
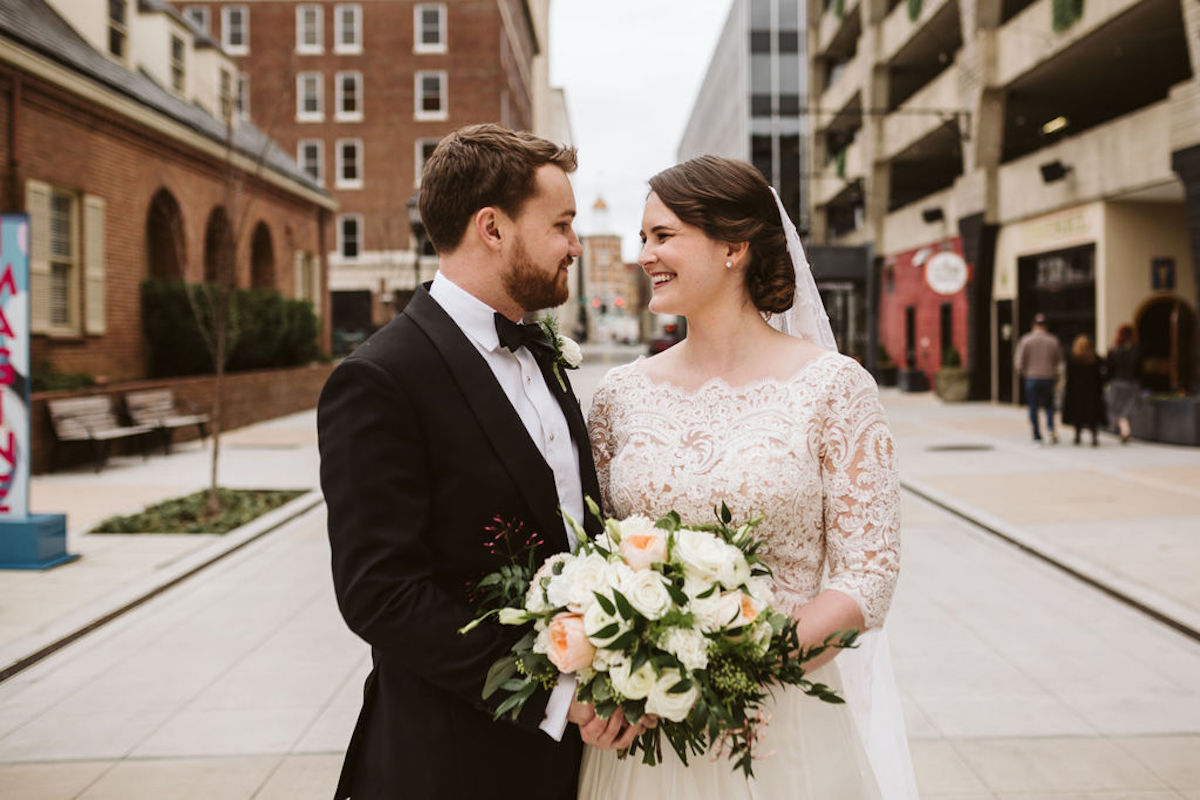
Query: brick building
x=114, y=144
x=360, y=92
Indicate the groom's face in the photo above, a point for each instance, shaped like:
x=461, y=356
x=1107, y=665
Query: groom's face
x=543, y=244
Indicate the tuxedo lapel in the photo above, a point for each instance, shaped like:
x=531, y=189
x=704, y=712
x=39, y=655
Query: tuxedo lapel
x=494, y=411
x=587, y=468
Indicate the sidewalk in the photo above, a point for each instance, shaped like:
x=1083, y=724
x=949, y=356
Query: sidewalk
x=38, y=609
x=1124, y=516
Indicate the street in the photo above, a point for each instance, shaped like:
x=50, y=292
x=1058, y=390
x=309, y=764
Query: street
x=1018, y=680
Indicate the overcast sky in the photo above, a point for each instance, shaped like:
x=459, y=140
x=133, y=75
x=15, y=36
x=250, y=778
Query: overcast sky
x=631, y=70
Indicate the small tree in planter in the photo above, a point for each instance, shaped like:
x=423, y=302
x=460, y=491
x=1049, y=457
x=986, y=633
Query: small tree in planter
x=952, y=382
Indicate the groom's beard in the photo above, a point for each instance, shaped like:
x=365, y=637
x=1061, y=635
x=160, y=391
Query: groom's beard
x=531, y=287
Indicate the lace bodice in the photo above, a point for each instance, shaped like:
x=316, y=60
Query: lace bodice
x=812, y=453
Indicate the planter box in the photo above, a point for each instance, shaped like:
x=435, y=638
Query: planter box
x=952, y=384
x=885, y=376
x=913, y=380
x=1176, y=419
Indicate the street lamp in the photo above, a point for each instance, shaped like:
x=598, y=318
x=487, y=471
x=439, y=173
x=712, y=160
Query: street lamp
x=418, y=233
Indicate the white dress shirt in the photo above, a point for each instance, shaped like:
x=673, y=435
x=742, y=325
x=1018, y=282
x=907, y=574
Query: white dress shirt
x=521, y=379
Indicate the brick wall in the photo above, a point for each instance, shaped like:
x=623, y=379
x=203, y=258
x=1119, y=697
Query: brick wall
x=85, y=149
x=248, y=397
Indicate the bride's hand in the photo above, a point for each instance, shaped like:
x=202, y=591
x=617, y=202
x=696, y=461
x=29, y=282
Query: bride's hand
x=606, y=734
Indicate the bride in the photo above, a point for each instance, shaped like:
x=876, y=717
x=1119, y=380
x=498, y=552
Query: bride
x=768, y=417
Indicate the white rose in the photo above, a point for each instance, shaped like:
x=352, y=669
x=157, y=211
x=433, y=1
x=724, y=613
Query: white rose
x=596, y=619
x=632, y=686
x=729, y=610
x=690, y=646
x=542, y=643
x=701, y=554
x=762, y=589
x=706, y=611
x=735, y=571
x=675, y=706
x=604, y=659
x=536, y=599
x=761, y=637
x=647, y=593
x=571, y=352
x=583, y=578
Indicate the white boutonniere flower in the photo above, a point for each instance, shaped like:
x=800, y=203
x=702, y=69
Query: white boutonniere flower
x=567, y=352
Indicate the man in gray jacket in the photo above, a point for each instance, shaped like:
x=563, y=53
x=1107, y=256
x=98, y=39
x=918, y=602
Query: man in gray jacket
x=1038, y=357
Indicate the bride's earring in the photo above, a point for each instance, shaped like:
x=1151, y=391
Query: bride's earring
x=728, y=265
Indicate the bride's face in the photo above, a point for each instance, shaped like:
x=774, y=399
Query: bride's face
x=685, y=266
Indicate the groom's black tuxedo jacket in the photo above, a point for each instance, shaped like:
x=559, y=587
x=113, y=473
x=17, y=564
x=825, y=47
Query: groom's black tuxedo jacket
x=420, y=451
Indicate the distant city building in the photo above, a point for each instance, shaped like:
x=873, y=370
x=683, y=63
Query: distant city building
x=117, y=147
x=613, y=295
x=751, y=104
x=361, y=92
x=1009, y=157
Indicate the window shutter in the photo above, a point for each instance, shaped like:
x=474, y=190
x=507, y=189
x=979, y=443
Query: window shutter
x=315, y=269
x=93, y=264
x=37, y=203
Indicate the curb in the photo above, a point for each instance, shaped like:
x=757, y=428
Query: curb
x=26, y=652
x=1149, y=602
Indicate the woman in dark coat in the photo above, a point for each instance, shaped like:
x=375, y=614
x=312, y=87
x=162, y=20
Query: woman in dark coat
x=1083, y=398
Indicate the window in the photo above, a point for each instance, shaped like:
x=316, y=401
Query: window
x=349, y=163
x=348, y=96
x=198, y=16
x=311, y=156
x=429, y=25
x=431, y=96
x=178, y=75
x=117, y=30
x=235, y=30
x=242, y=99
x=310, y=106
x=347, y=28
x=308, y=29
x=349, y=232
x=66, y=260
x=62, y=258
x=424, y=149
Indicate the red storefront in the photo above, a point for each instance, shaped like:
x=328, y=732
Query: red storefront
x=923, y=305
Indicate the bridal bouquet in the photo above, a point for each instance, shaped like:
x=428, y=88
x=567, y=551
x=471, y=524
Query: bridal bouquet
x=655, y=617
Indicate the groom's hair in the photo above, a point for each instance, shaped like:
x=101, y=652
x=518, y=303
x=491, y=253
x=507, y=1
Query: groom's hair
x=480, y=166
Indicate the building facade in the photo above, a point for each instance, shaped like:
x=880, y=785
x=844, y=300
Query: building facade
x=1009, y=157
x=613, y=294
x=360, y=92
x=116, y=145
x=751, y=104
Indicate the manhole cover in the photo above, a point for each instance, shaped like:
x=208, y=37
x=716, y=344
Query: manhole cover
x=954, y=448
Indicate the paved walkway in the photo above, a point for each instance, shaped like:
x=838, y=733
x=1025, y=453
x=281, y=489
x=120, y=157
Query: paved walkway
x=242, y=682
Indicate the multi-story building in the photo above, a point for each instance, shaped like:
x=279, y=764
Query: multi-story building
x=117, y=146
x=751, y=103
x=1009, y=157
x=612, y=293
x=361, y=92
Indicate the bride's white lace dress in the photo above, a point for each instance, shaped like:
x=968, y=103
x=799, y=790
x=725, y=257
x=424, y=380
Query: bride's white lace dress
x=812, y=453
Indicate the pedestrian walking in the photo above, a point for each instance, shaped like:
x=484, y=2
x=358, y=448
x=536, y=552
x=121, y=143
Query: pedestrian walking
x=1083, y=397
x=1038, y=358
x=1124, y=364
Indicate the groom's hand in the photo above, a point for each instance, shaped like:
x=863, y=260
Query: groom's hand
x=606, y=734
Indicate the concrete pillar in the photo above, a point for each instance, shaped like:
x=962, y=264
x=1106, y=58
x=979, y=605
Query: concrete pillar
x=979, y=249
x=1186, y=163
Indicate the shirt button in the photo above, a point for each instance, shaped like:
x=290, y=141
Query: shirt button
x=529, y=379
x=552, y=437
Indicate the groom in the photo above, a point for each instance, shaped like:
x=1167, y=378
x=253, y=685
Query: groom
x=447, y=418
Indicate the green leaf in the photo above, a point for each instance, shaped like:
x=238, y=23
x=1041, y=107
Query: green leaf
x=499, y=673
x=606, y=633
x=605, y=604
x=624, y=608
x=640, y=657
x=681, y=687
x=677, y=595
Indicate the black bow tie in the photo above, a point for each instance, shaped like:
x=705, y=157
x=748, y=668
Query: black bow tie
x=515, y=335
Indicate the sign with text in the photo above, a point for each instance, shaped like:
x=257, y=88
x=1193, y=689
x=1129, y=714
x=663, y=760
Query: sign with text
x=14, y=366
x=946, y=273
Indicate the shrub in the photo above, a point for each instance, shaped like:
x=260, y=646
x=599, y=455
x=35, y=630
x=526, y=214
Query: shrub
x=951, y=358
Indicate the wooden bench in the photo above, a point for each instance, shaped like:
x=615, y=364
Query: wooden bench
x=90, y=419
x=156, y=408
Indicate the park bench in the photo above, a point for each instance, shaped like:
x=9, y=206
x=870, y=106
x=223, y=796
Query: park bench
x=90, y=419
x=156, y=408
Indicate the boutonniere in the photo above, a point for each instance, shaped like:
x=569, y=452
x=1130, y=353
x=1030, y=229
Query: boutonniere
x=567, y=353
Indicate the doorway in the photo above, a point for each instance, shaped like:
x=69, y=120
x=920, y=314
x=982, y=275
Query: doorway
x=1006, y=344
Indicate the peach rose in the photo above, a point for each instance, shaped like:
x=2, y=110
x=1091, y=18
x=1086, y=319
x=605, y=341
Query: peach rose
x=568, y=647
x=640, y=550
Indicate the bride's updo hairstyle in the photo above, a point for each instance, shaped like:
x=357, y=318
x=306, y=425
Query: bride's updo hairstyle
x=731, y=202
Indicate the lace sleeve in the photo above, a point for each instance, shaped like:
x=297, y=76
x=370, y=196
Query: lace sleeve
x=861, y=494
x=601, y=435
